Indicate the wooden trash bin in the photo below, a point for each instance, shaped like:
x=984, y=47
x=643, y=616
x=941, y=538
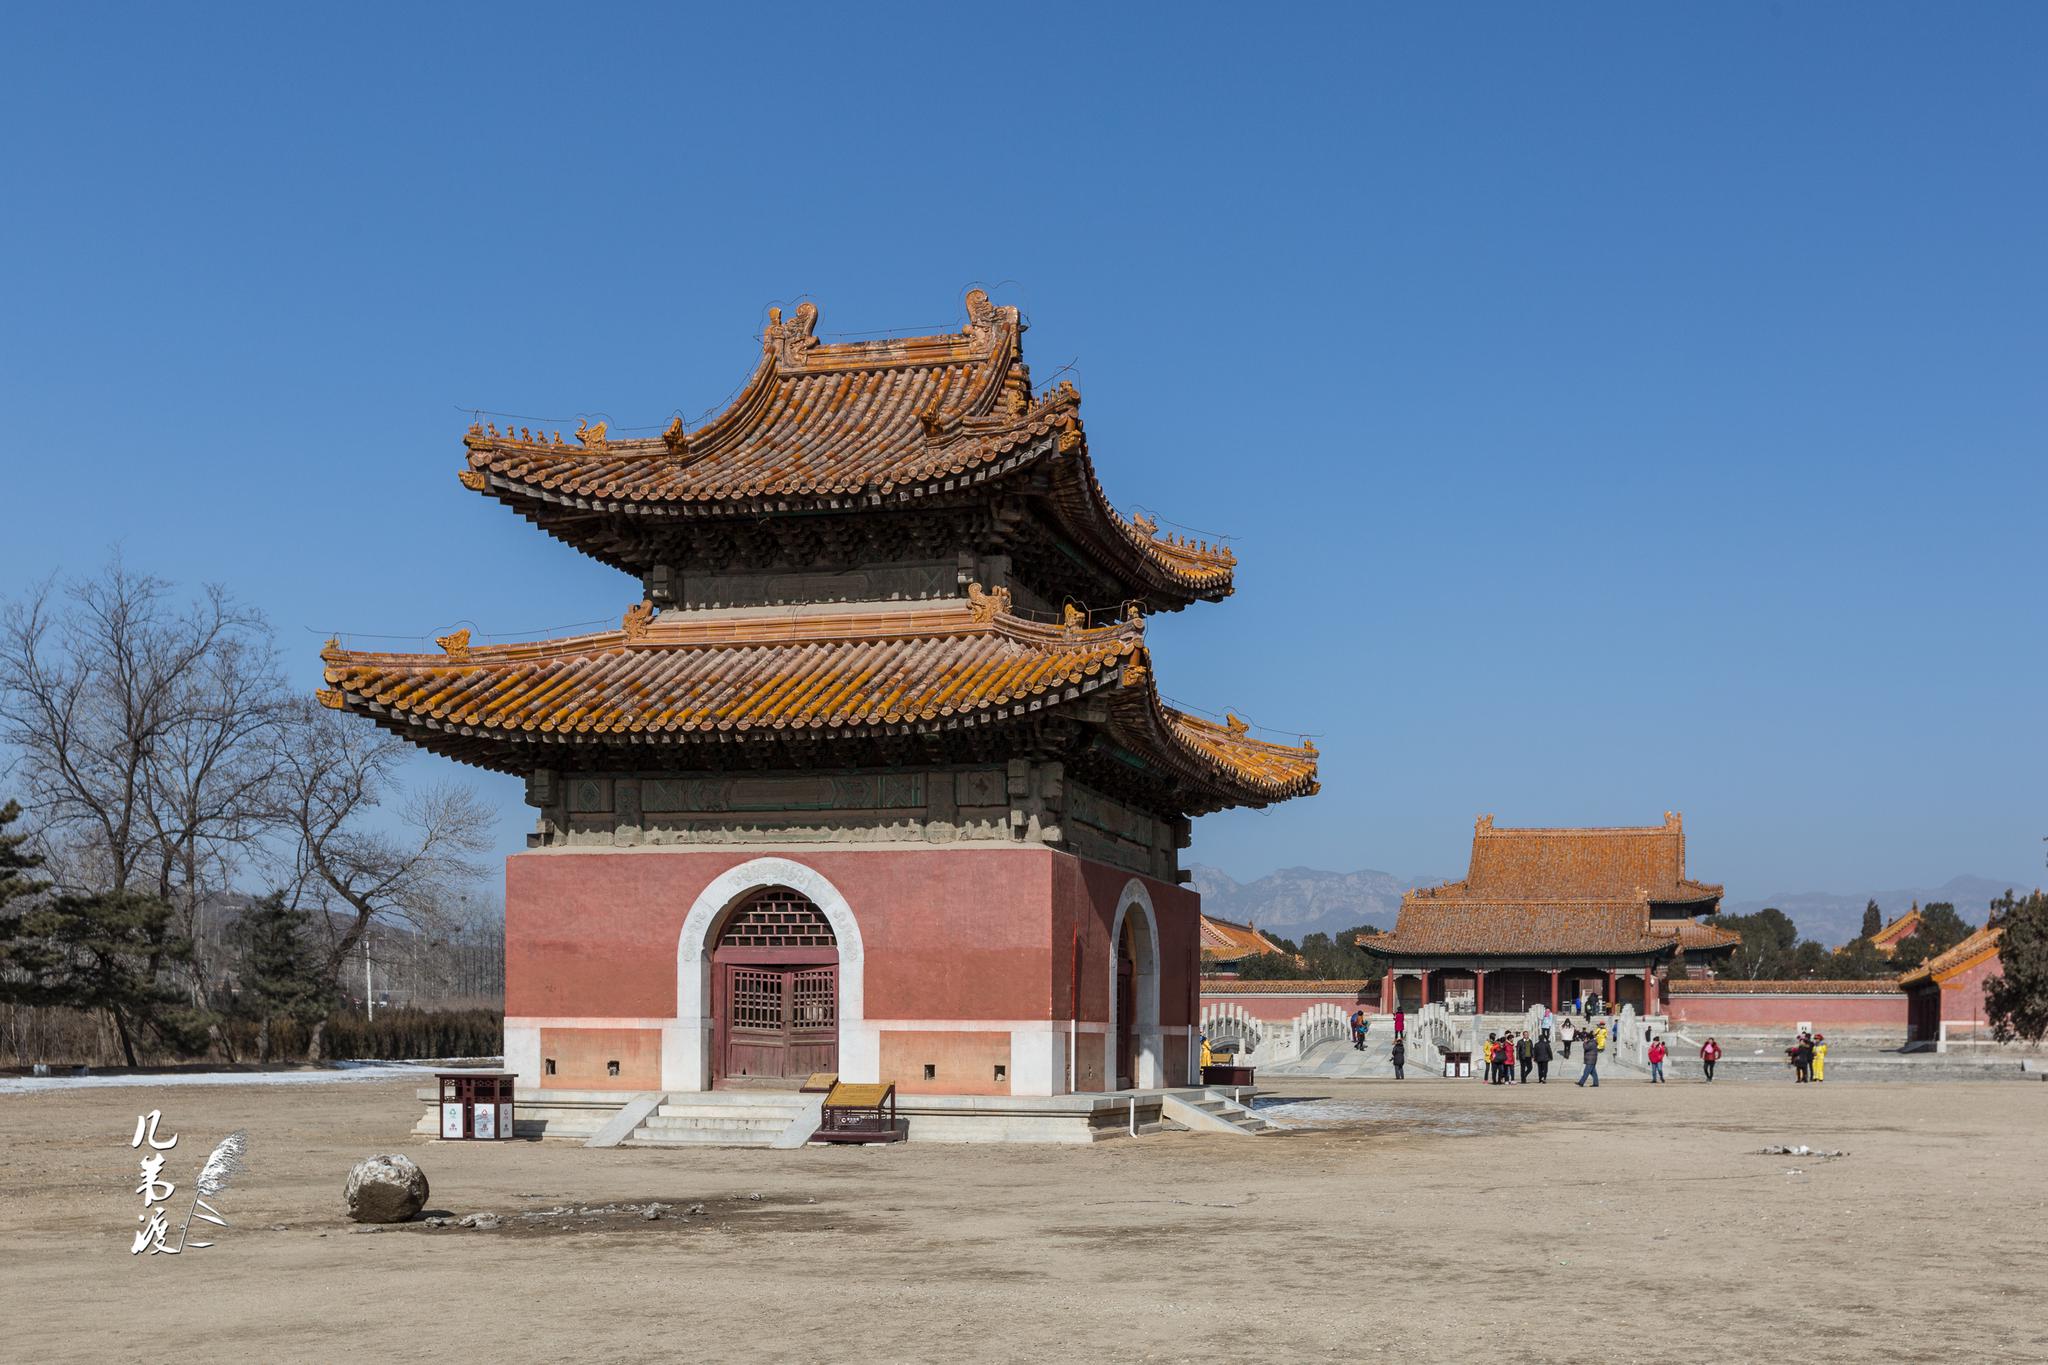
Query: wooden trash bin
x=476, y=1105
x=1227, y=1073
x=1457, y=1064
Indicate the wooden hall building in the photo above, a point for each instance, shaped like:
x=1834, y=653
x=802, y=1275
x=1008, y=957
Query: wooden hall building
x=874, y=776
x=1547, y=915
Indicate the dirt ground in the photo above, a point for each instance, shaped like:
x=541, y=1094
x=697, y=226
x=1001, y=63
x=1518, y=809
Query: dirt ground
x=1637, y=1223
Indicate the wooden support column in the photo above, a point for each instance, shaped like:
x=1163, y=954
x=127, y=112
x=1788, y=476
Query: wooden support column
x=1607, y=1001
x=1423, y=999
x=1478, y=991
x=1553, y=990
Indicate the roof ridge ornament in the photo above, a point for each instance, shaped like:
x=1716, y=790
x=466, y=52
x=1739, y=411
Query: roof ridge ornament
x=330, y=698
x=984, y=606
x=789, y=342
x=593, y=438
x=332, y=650
x=1233, y=724
x=1072, y=619
x=638, y=618
x=454, y=645
x=675, y=438
x=472, y=479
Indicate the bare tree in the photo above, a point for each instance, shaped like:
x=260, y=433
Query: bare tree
x=144, y=730
x=334, y=776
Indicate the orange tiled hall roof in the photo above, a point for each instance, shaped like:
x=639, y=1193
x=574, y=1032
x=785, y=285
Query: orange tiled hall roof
x=822, y=672
x=850, y=427
x=1226, y=940
x=1615, y=864
x=1962, y=957
x=1561, y=891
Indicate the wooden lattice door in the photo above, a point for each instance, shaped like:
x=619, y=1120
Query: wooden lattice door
x=777, y=997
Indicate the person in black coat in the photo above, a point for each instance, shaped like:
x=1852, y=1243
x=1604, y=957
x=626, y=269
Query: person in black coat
x=1541, y=1055
x=1525, y=1055
x=1400, y=1057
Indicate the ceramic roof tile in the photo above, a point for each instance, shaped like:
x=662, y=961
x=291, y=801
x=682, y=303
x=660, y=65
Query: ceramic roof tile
x=1942, y=966
x=682, y=675
x=855, y=421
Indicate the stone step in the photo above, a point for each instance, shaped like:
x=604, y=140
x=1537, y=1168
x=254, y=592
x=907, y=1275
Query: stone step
x=721, y=1122
x=646, y=1136
x=783, y=1112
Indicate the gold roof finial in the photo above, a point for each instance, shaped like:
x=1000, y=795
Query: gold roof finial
x=330, y=698
x=592, y=437
x=456, y=644
x=675, y=438
x=332, y=649
x=1235, y=726
x=984, y=606
x=638, y=618
x=472, y=479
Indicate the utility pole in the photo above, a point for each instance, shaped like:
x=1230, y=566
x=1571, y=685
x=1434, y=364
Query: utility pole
x=369, y=1000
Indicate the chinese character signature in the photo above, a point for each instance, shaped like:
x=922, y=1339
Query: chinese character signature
x=222, y=1166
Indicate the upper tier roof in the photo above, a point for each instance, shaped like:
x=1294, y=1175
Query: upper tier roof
x=1615, y=864
x=851, y=427
x=832, y=674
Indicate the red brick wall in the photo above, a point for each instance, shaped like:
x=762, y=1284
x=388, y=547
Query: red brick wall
x=1783, y=1011
x=582, y=1057
x=949, y=933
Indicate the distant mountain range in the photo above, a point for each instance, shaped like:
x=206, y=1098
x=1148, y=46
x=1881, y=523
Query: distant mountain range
x=1296, y=901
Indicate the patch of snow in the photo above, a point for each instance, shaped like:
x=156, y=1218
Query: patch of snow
x=341, y=1071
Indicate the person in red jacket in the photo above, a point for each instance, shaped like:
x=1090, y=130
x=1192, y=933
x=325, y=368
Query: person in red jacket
x=1710, y=1052
x=1656, y=1061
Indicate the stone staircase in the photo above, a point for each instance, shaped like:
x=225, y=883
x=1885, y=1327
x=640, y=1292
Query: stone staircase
x=738, y=1118
x=1213, y=1112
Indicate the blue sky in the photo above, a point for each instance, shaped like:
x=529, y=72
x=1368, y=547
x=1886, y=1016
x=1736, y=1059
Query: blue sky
x=1615, y=409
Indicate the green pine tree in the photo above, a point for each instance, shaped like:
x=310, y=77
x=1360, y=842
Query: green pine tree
x=17, y=886
x=2016, y=1001
x=108, y=951
x=1873, y=920
x=281, y=974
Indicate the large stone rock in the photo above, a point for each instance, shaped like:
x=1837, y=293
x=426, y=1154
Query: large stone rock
x=385, y=1189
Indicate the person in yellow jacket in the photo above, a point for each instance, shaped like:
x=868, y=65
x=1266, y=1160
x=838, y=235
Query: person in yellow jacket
x=1820, y=1055
x=1208, y=1057
x=1600, y=1037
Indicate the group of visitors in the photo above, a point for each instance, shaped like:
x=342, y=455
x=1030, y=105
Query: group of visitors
x=1809, y=1057
x=1510, y=1057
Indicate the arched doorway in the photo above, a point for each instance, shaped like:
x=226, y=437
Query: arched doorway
x=1133, y=1050
x=775, y=989
x=1125, y=1011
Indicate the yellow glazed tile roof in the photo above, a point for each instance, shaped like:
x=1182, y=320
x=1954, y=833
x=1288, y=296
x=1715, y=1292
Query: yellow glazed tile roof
x=694, y=675
x=852, y=426
x=1960, y=958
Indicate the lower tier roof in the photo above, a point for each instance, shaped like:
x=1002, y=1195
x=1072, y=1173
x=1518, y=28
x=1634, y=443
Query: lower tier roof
x=679, y=690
